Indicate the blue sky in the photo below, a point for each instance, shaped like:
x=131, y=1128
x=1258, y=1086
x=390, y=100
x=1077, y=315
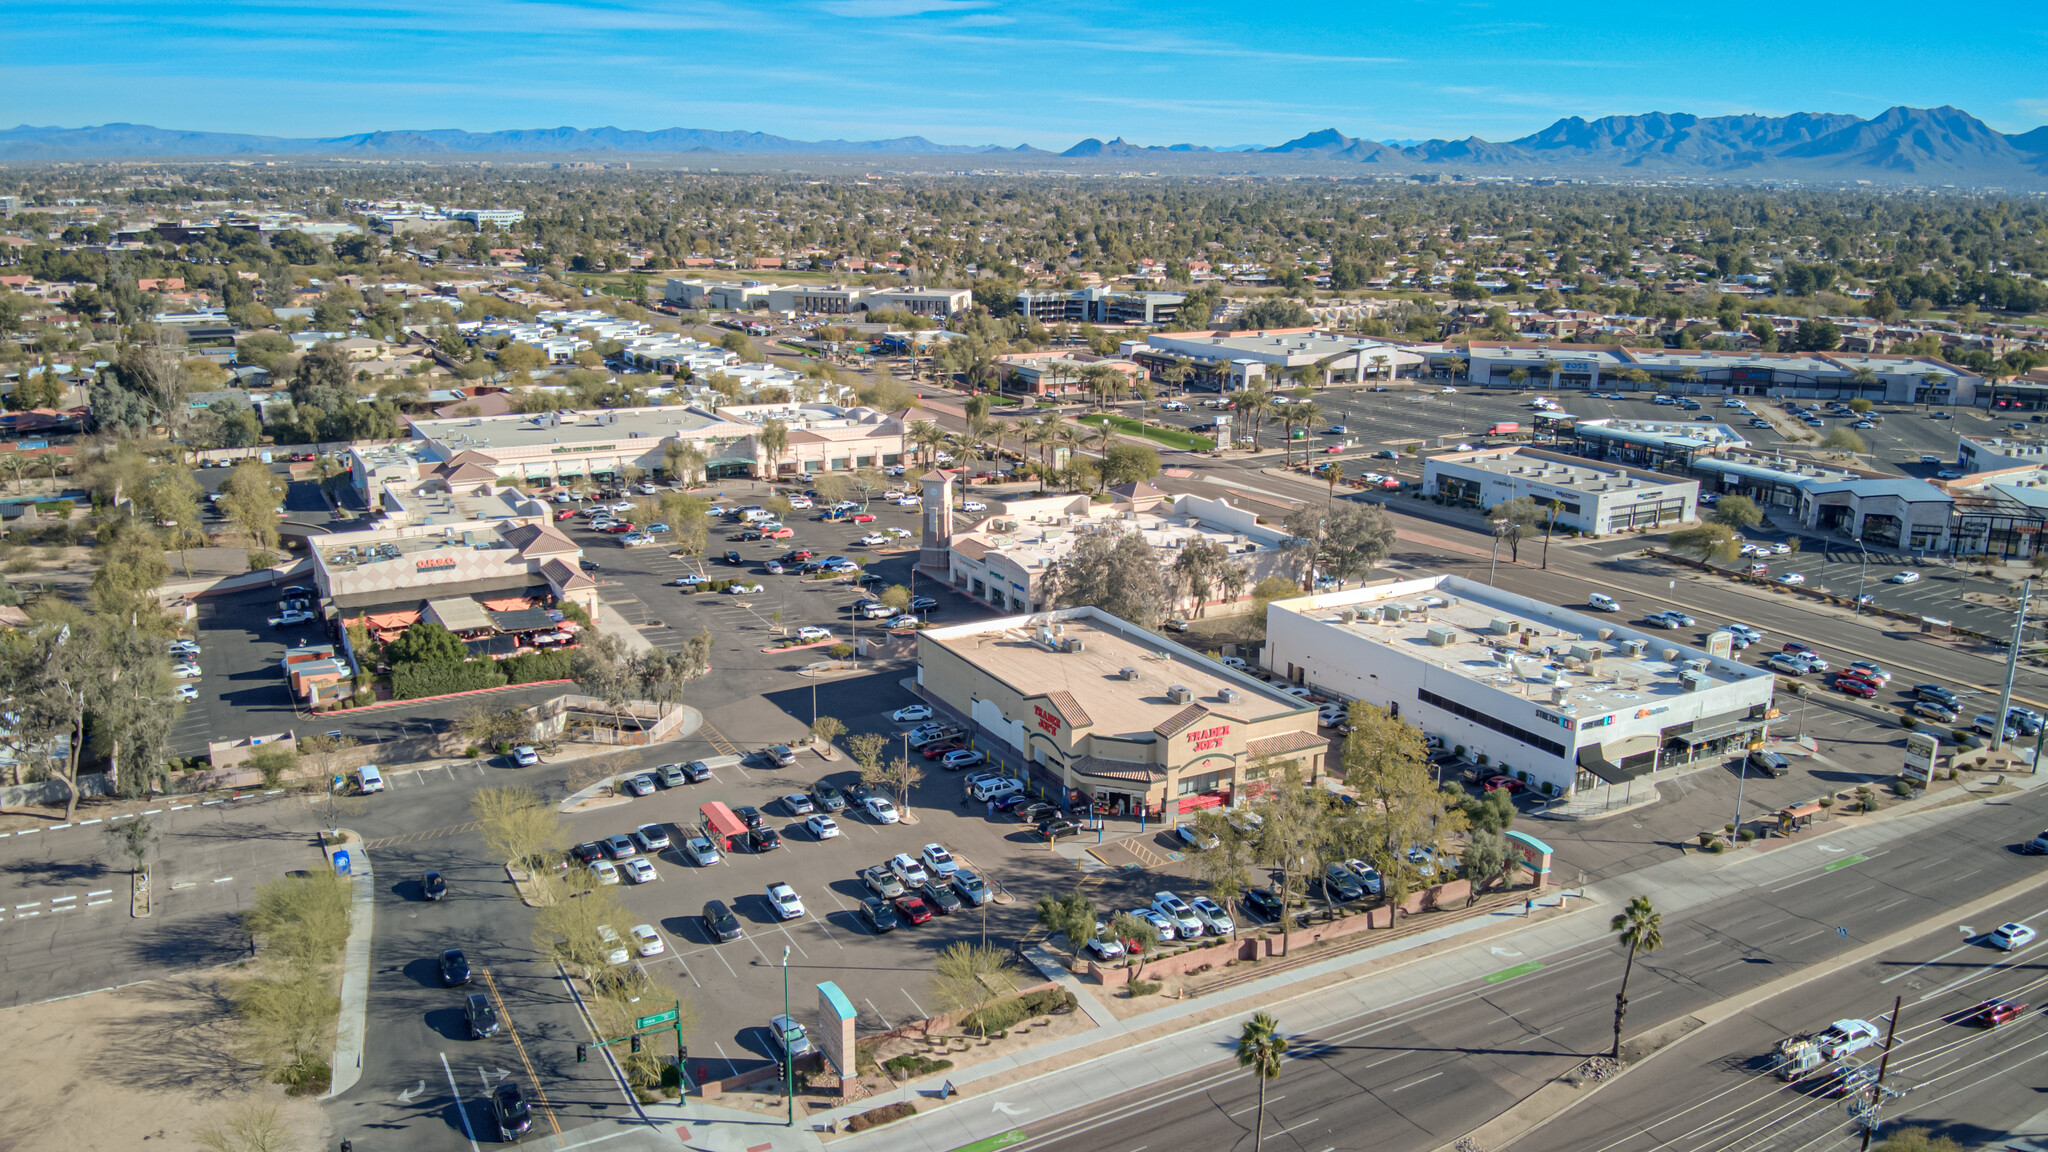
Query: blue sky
x=1046, y=73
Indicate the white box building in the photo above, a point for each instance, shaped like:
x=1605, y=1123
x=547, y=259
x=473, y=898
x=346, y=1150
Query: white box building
x=1532, y=687
x=1591, y=497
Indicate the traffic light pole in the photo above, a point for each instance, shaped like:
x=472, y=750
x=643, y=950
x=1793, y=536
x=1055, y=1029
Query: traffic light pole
x=643, y=1026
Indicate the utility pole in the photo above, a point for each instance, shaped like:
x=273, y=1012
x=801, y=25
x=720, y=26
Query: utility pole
x=2012, y=665
x=789, y=1061
x=1877, y=1086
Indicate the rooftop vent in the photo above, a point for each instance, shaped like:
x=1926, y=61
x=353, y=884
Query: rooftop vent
x=1227, y=695
x=1502, y=626
x=1441, y=637
x=1179, y=694
x=1128, y=673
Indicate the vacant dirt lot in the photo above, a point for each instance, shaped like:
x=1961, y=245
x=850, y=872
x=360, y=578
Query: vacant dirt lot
x=139, y=1068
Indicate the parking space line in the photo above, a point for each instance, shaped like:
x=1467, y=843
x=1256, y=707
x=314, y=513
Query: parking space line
x=878, y=1014
x=100, y=892
x=97, y=903
x=921, y=1013
x=461, y=1108
x=62, y=899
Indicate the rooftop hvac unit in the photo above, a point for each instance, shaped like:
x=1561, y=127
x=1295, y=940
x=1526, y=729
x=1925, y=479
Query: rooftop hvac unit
x=1585, y=652
x=1502, y=626
x=1560, y=694
x=1441, y=637
x=1390, y=613
x=1227, y=695
x=1128, y=673
x=1179, y=694
x=1634, y=647
x=1696, y=665
x=1072, y=644
x=1694, y=681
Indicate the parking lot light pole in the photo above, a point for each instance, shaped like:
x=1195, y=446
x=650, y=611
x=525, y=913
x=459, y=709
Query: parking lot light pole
x=1862, y=573
x=788, y=1060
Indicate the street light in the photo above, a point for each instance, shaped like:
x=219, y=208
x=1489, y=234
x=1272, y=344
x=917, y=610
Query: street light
x=1862, y=573
x=788, y=1061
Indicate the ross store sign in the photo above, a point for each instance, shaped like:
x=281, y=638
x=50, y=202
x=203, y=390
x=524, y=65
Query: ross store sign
x=433, y=562
x=583, y=448
x=1047, y=721
x=1204, y=739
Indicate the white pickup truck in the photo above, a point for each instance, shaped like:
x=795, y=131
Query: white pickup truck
x=1798, y=1056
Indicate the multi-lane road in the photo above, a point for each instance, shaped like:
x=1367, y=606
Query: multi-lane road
x=1422, y=1071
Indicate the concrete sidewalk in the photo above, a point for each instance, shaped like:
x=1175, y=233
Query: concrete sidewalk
x=351, y=1031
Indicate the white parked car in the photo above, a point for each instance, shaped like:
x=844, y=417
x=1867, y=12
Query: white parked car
x=188, y=691
x=615, y=948
x=1792, y=578
x=745, y=589
x=641, y=871
x=973, y=506
x=287, y=619
x=911, y=712
x=908, y=869
x=939, y=861
x=873, y=539
x=1177, y=910
x=605, y=871
x=1215, y=920
x=648, y=940
x=525, y=757
x=881, y=810
x=812, y=632
x=186, y=672
x=783, y=898
x=899, y=533
x=821, y=827
x=1903, y=578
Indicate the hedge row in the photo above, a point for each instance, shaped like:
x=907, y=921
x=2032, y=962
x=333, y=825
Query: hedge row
x=530, y=667
x=413, y=681
x=1002, y=1015
x=875, y=1117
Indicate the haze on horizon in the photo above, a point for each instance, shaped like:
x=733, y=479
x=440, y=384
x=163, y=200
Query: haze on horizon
x=997, y=71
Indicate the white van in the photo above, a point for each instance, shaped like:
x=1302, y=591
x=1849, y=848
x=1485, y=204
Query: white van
x=986, y=790
x=370, y=779
x=1602, y=602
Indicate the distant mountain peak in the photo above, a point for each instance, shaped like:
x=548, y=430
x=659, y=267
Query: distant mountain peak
x=1944, y=144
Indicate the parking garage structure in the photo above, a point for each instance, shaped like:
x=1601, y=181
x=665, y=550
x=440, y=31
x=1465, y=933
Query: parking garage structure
x=1101, y=713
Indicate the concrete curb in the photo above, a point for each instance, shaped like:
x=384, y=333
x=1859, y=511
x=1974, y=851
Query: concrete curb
x=1542, y=1106
x=351, y=1031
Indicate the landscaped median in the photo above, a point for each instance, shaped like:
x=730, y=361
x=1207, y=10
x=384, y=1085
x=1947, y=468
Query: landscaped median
x=1172, y=438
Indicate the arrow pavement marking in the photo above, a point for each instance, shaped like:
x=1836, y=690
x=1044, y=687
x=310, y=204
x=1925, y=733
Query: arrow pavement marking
x=1008, y=1109
x=1504, y=952
x=1826, y=848
x=406, y=1096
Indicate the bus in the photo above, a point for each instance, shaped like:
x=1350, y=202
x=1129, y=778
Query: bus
x=724, y=828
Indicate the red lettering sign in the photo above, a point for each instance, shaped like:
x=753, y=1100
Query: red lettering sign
x=437, y=562
x=1047, y=721
x=1207, y=738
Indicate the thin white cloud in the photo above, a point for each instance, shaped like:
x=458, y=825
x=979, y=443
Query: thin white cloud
x=887, y=9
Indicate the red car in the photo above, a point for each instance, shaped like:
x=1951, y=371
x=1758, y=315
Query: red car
x=619, y=529
x=913, y=909
x=938, y=748
x=566, y=514
x=780, y=534
x=1856, y=687
x=1507, y=784
x=1334, y=449
x=864, y=518
x=798, y=556
x=1992, y=1013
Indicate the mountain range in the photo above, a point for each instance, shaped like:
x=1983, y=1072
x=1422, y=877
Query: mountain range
x=1906, y=145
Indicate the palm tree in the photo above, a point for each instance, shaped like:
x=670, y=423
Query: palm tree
x=774, y=441
x=1252, y=406
x=1331, y=473
x=1178, y=372
x=927, y=437
x=1043, y=433
x=1550, y=370
x=1641, y=927
x=1259, y=1049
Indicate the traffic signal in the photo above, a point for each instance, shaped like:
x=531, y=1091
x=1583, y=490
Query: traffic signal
x=636, y=1041
x=582, y=1053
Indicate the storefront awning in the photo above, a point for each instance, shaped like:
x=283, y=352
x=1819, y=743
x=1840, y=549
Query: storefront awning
x=1623, y=760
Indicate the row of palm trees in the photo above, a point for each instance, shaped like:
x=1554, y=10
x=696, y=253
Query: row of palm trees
x=1261, y=1047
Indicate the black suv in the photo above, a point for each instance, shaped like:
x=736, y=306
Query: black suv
x=1262, y=902
x=940, y=895
x=720, y=922
x=513, y=1114
x=1939, y=695
x=750, y=816
x=763, y=839
x=454, y=968
x=587, y=852
x=483, y=1019
x=733, y=557
x=881, y=917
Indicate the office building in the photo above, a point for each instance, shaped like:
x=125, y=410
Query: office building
x=1582, y=496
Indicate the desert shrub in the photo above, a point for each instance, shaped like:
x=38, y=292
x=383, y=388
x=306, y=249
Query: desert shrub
x=414, y=681
x=531, y=667
x=1138, y=988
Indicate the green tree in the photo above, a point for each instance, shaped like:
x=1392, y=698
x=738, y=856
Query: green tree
x=1737, y=512
x=1260, y=1048
x=1140, y=938
x=1711, y=542
x=1115, y=571
x=1386, y=764
x=1640, y=928
x=135, y=839
x=1512, y=519
x=1844, y=440
x=249, y=498
x=517, y=827
x=1071, y=915
x=425, y=642
x=967, y=978
x=1128, y=464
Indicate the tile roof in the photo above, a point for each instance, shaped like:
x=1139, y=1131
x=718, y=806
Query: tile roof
x=1070, y=709
x=1283, y=743
x=1181, y=721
